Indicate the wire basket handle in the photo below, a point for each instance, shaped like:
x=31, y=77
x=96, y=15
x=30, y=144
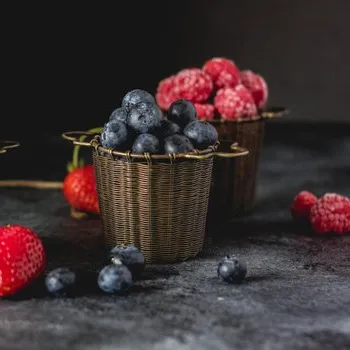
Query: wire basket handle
x=74, y=136
x=235, y=151
x=6, y=145
x=274, y=112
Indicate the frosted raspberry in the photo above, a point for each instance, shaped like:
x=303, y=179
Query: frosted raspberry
x=223, y=72
x=331, y=214
x=302, y=204
x=233, y=103
x=204, y=111
x=165, y=94
x=257, y=86
x=193, y=84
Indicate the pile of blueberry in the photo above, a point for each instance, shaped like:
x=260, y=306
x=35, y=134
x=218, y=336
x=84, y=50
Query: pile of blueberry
x=125, y=265
x=140, y=126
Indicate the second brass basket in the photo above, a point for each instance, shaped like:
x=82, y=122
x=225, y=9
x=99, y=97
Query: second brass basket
x=159, y=203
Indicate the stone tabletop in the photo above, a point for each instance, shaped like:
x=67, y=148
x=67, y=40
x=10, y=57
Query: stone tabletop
x=296, y=294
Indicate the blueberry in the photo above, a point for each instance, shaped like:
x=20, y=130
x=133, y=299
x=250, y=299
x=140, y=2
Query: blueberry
x=146, y=143
x=114, y=134
x=177, y=144
x=201, y=133
x=129, y=256
x=115, y=278
x=231, y=270
x=168, y=128
x=61, y=281
x=134, y=97
x=145, y=117
x=119, y=114
x=182, y=112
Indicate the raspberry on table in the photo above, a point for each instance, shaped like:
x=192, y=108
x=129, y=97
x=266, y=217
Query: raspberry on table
x=205, y=111
x=257, y=86
x=234, y=103
x=223, y=72
x=302, y=204
x=331, y=214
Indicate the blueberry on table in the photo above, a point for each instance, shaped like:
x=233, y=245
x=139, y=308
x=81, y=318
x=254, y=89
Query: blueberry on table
x=131, y=257
x=232, y=270
x=114, y=134
x=119, y=114
x=136, y=96
x=61, y=281
x=115, y=278
x=146, y=143
x=201, y=133
x=182, y=112
x=177, y=144
x=145, y=117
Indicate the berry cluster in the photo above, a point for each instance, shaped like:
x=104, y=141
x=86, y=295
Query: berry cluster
x=218, y=90
x=328, y=214
x=139, y=124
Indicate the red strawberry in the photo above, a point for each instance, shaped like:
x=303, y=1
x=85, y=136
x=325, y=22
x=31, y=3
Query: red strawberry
x=22, y=258
x=79, y=189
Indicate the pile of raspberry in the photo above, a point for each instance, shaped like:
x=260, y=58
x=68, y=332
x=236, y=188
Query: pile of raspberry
x=218, y=90
x=328, y=214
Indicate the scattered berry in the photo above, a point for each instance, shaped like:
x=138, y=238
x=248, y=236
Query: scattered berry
x=232, y=270
x=115, y=278
x=235, y=103
x=182, y=112
x=136, y=96
x=193, y=84
x=331, y=214
x=114, y=134
x=145, y=117
x=131, y=257
x=119, y=114
x=146, y=143
x=257, y=86
x=22, y=258
x=223, y=72
x=177, y=144
x=79, y=189
x=201, y=133
x=60, y=282
x=204, y=111
x=302, y=205
x=166, y=95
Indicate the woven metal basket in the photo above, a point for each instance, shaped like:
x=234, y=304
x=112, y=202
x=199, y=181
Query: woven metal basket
x=7, y=145
x=157, y=202
x=234, y=183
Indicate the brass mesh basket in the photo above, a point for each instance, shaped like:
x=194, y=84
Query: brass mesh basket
x=7, y=145
x=234, y=183
x=159, y=203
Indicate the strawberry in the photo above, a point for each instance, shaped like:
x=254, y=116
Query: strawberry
x=22, y=258
x=79, y=189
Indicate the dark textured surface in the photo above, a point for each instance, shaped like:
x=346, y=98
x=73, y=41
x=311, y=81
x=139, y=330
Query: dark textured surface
x=296, y=294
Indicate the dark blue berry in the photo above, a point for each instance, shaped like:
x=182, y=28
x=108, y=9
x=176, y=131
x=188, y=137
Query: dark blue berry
x=114, y=134
x=168, y=128
x=202, y=134
x=182, y=112
x=60, y=282
x=146, y=143
x=129, y=256
x=231, y=270
x=136, y=96
x=115, y=278
x=177, y=144
x=119, y=114
x=145, y=117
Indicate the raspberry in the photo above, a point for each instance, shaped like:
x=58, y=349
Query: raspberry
x=165, y=95
x=302, y=204
x=193, y=84
x=223, y=72
x=204, y=111
x=233, y=103
x=331, y=214
x=257, y=86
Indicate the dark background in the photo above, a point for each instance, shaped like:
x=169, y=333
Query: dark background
x=67, y=67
